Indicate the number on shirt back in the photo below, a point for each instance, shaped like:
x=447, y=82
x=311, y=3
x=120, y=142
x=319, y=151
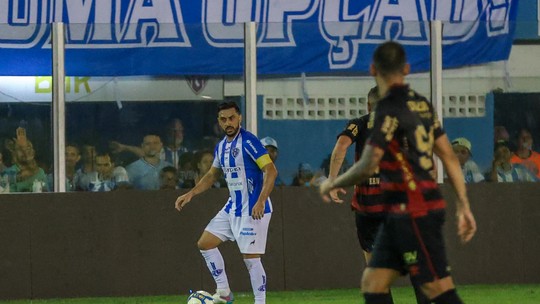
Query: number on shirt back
x=424, y=144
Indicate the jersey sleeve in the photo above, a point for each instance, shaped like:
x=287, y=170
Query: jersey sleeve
x=438, y=131
x=385, y=124
x=353, y=129
x=216, y=163
x=257, y=151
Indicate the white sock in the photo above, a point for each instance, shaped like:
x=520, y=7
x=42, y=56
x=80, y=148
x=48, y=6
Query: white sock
x=258, y=279
x=216, y=265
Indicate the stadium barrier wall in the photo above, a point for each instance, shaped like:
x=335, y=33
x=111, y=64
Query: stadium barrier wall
x=129, y=243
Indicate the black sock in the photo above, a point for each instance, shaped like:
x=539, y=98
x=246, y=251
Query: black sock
x=448, y=297
x=421, y=298
x=378, y=298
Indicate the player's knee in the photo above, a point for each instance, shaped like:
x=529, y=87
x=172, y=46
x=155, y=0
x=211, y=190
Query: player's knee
x=437, y=287
x=204, y=245
x=370, y=284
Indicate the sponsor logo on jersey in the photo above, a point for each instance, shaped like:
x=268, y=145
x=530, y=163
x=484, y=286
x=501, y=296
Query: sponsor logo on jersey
x=410, y=257
x=231, y=169
x=251, y=145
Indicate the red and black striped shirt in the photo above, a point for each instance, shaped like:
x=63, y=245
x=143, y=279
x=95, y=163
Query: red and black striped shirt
x=406, y=127
x=367, y=195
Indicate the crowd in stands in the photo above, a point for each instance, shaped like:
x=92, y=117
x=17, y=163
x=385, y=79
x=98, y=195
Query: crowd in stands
x=173, y=165
x=93, y=167
x=508, y=165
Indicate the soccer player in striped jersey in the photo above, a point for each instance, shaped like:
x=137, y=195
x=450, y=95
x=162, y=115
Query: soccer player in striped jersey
x=366, y=202
x=405, y=134
x=250, y=176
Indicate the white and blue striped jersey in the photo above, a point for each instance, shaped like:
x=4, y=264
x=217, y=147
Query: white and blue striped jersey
x=241, y=161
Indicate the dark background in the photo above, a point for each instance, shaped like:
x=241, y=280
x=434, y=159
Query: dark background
x=57, y=245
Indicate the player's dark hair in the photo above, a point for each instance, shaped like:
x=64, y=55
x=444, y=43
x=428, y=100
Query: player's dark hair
x=374, y=93
x=228, y=105
x=373, y=98
x=389, y=58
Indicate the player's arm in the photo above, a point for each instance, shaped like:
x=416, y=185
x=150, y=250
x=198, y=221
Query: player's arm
x=269, y=177
x=336, y=161
x=338, y=155
x=204, y=184
x=466, y=221
x=359, y=172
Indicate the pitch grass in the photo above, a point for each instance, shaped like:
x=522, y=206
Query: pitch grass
x=471, y=294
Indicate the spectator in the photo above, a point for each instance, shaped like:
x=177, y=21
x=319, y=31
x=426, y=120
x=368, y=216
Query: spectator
x=88, y=167
x=174, y=143
x=524, y=154
x=303, y=176
x=2, y=164
x=24, y=175
x=107, y=177
x=4, y=179
x=306, y=177
x=144, y=173
x=462, y=148
x=501, y=133
x=271, y=146
x=503, y=170
x=170, y=152
x=204, y=161
x=187, y=171
x=168, y=178
x=73, y=156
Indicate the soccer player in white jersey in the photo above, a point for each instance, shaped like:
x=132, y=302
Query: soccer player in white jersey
x=250, y=176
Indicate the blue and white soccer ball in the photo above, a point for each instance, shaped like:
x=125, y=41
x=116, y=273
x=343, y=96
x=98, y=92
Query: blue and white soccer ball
x=200, y=297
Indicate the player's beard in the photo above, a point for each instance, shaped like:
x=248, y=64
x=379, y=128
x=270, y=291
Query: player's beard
x=231, y=131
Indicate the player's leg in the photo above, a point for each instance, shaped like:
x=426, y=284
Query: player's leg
x=217, y=231
x=421, y=297
x=442, y=291
x=428, y=266
x=367, y=227
x=251, y=237
x=383, y=268
x=376, y=284
x=257, y=276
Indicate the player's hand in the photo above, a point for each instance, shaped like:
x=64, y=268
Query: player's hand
x=182, y=200
x=334, y=195
x=325, y=188
x=257, y=212
x=466, y=225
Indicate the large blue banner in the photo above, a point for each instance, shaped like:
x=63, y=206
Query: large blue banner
x=187, y=37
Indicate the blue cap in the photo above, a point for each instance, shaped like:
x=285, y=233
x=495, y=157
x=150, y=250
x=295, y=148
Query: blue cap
x=304, y=167
x=269, y=141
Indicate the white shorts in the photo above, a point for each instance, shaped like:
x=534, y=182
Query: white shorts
x=249, y=234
